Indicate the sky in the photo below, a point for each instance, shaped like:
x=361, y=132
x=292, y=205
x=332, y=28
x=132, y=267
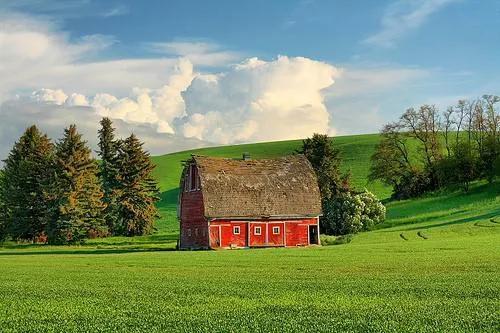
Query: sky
x=188, y=74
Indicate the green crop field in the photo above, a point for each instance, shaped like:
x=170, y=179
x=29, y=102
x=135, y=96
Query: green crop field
x=434, y=266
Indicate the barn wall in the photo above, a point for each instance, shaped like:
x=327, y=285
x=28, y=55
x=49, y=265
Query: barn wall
x=293, y=232
x=193, y=225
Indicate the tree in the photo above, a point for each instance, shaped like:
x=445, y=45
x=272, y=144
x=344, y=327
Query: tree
x=391, y=159
x=75, y=192
x=25, y=175
x=325, y=160
x=108, y=172
x=3, y=211
x=138, y=190
x=423, y=125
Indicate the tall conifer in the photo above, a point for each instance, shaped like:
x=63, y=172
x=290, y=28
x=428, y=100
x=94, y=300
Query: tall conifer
x=26, y=173
x=138, y=189
x=3, y=211
x=75, y=192
x=108, y=172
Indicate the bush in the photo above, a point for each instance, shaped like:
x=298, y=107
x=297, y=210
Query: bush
x=342, y=215
x=350, y=213
x=373, y=210
x=335, y=240
x=413, y=184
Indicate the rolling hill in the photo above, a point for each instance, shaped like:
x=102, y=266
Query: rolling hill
x=432, y=267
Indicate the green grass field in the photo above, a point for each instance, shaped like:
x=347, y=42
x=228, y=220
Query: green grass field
x=434, y=266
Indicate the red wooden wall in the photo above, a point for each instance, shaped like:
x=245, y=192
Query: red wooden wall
x=194, y=226
x=293, y=232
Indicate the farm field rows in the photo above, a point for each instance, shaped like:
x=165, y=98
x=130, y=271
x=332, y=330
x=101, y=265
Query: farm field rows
x=434, y=267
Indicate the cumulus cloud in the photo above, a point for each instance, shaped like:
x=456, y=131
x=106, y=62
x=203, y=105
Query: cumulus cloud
x=256, y=100
x=259, y=100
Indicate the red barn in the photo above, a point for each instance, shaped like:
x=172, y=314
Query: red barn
x=238, y=203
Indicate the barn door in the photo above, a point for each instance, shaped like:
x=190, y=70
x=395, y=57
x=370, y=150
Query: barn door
x=313, y=234
x=214, y=236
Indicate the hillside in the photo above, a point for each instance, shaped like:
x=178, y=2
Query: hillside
x=356, y=151
x=432, y=267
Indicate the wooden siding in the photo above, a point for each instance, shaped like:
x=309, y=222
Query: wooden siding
x=291, y=233
x=193, y=226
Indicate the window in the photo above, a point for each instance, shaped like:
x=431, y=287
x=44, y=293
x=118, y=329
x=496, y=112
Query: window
x=236, y=230
x=196, y=231
x=276, y=230
x=192, y=181
x=257, y=231
x=189, y=232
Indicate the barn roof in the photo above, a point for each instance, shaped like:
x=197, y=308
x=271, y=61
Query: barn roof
x=285, y=186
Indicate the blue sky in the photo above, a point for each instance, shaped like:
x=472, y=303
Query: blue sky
x=384, y=56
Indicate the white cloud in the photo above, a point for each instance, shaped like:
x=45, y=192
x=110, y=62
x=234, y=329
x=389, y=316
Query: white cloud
x=200, y=53
x=258, y=101
x=167, y=102
x=404, y=16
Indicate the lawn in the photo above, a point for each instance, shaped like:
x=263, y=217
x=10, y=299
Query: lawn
x=433, y=267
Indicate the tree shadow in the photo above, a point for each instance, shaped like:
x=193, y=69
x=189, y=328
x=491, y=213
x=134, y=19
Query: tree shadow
x=90, y=251
x=458, y=221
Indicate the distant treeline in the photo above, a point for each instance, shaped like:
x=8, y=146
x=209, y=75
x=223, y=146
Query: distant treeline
x=58, y=193
x=426, y=149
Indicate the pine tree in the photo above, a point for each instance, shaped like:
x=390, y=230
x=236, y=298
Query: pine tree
x=138, y=189
x=26, y=173
x=108, y=172
x=3, y=211
x=75, y=192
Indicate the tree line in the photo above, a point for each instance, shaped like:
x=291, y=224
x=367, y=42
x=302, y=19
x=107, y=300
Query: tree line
x=426, y=149
x=58, y=193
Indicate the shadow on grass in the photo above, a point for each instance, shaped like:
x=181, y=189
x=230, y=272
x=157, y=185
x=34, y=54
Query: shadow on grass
x=70, y=251
x=458, y=221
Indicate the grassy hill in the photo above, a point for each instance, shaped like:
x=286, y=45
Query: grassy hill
x=433, y=267
x=356, y=151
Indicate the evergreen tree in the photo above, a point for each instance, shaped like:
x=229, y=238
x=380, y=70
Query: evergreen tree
x=108, y=172
x=138, y=190
x=3, y=211
x=26, y=173
x=75, y=192
x=325, y=160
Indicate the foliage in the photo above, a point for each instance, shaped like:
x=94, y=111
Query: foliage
x=325, y=160
x=373, y=212
x=26, y=173
x=138, y=191
x=342, y=215
x=3, y=211
x=470, y=132
x=350, y=213
x=75, y=192
x=335, y=240
x=108, y=172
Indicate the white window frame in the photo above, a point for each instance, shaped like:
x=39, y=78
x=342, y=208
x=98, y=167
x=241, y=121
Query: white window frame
x=236, y=228
x=196, y=232
x=276, y=232
x=255, y=231
x=189, y=232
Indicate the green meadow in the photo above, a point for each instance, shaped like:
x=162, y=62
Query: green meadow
x=433, y=266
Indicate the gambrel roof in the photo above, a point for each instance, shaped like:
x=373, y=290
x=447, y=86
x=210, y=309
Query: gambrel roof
x=281, y=187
